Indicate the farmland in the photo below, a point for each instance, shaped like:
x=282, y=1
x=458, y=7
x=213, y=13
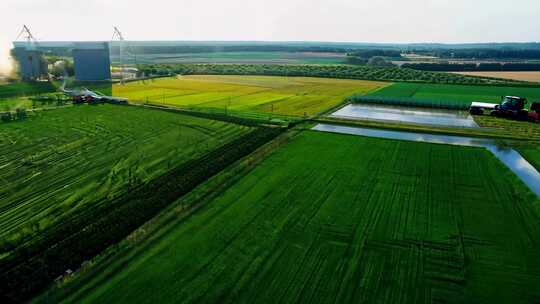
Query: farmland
x=455, y=93
x=243, y=57
x=336, y=218
x=59, y=162
x=522, y=76
x=532, y=154
x=282, y=95
x=25, y=89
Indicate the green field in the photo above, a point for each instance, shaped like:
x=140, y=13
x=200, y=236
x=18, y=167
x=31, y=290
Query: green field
x=25, y=89
x=241, y=57
x=456, y=93
x=15, y=103
x=343, y=219
x=532, y=154
x=66, y=160
x=282, y=95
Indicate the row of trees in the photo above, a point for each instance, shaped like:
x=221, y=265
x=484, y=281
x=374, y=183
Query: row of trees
x=326, y=71
x=9, y=116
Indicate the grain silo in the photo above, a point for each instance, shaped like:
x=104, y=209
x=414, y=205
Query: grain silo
x=31, y=64
x=92, y=61
x=30, y=61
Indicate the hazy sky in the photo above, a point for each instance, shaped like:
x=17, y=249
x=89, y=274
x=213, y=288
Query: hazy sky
x=284, y=20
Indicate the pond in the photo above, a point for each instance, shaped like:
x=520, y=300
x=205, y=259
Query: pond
x=508, y=156
x=425, y=116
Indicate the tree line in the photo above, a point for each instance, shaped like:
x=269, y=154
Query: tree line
x=363, y=72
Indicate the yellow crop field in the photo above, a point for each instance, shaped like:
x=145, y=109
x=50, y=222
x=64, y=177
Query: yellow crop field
x=282, y=95
x=523, y=76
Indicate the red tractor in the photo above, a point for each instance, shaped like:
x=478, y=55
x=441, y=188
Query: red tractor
x=534, y=113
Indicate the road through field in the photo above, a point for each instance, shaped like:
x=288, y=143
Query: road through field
x=345, y=219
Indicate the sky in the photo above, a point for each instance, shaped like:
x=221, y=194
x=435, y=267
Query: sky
x=276, y=20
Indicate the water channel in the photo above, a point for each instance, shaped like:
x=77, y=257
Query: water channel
x=437, y=117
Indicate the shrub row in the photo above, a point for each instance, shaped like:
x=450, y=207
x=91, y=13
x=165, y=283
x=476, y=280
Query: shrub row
x=411, y=102
x=19, y=114
x=33, y=267
x=326, y=71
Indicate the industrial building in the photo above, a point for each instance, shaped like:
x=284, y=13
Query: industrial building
x=92, y=61
x=32, y=65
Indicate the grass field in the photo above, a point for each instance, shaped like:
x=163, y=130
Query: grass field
x=532, y=154
x=25, y=89
x=456, y=93
x=14, y=103
x=343, y=219
x=522, y=76
x=59, y=161
x=526, y=129
x=281, y=95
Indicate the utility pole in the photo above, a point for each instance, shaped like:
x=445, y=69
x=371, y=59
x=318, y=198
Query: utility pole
x=118, y=35
x=123, y=49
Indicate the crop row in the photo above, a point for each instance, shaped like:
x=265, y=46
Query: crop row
x=31, y=268
x=411, y=102
x=342, y=219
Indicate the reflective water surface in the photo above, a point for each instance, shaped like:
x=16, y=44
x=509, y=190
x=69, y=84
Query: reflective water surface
x=423, y=116
x=511, y=158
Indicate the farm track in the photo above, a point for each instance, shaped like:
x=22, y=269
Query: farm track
x=399, y=222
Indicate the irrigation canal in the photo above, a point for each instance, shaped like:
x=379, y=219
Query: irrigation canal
x=510, y=157
x=425, y=116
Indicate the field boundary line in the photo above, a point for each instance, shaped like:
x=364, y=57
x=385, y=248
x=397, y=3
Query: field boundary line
x=116, y=256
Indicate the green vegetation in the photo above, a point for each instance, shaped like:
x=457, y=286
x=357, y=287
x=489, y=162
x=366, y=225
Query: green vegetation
x=523, y=129
x=69, y=160
x=455, y=93
x=298, y=96
x=25, y=89
x=241, y=57
x=336, y=218
x=82, y=236
x=325, y=71
x=410, y=102
x=532, y=154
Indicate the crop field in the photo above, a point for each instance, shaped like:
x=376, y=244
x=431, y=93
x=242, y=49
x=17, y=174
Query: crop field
x=456, y=93
x=281, y=95
x=532, y=154
x=67, y=160
x=525, y=129
x=14, y=103
x=342, y=219
x=242, y=57
x=522, y=76
x=25, y=89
